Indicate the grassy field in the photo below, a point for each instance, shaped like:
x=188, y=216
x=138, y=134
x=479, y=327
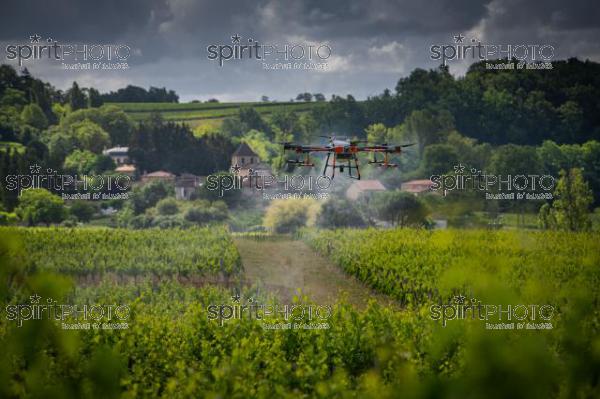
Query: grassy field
x=197, y=114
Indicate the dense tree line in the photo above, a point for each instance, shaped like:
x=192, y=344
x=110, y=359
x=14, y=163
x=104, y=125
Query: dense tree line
x=493, y=106
x=157, y=144
x=135, y=94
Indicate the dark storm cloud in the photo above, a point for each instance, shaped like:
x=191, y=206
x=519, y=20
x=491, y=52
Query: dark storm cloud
x=81, y=20
x=550, y=14
x=375, y=42
x=356, y=18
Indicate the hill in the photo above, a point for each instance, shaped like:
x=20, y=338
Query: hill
x=207, y=113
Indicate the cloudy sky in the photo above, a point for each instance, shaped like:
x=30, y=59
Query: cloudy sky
x=373, y=43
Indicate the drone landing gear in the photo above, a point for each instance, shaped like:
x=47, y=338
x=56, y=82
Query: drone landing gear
x=350, y=164
x=305, y=162
x=385, y=163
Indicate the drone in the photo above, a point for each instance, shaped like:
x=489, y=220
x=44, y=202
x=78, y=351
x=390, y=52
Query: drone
x=344, y=153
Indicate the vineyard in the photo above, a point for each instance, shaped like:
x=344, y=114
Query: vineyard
x=198, y=112
x=172, y=349
x=201, y=251
x=418, y=266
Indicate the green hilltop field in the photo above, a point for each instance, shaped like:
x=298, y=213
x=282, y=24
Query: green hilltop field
x=196, y=114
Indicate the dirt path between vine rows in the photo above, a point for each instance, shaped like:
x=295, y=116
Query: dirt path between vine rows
x=283, y=266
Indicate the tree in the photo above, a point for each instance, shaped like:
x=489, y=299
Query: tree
x=264, y=99
x=80, y=162
x=39, y=205
x=167, y=206
x=304, y=97
x=251, y=119
x=288, y=215
x=429, y=126
x=203, y=212
x=571, y=120
x=266, y=149
x=149, y=194
x=76, y=97
x=307, y=126
x=90, y=136
x=570, y=209
x=376, y=133
x=33, y=115
x=439, y=158
x=82, y=210
x=512, y=159
x=319, y=97
x=13, y=98
x=94, y=98
x=112, y=119
x=337, y=213
x=400, y=208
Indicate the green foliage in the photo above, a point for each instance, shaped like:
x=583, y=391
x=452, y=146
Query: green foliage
x=171, y=348
x=571, y=206
x=33, y=115
x=111, y=118
x=90, y=136
x=515, y=160
x=39, y=205
x=83, y=210
x=251, y=120
x=336, y=213
x=8, y=218
x=266, y=150
x=167, y=206
x=13, y=98
x=400, y=208
x=377, y=133
x=288, y=215
x=148, y=195
x=429, y=126
x=132, y=252
x=415, y=266
x=80, y=162
x=210, y=111
x=160, y=145
x=204, y=212
x=439, y=159
x=76, y=96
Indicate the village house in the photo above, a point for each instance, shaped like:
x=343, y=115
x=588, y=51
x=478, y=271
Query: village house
x=361, y=188
x=186, y=184
x=245, y=160
x=417, y=186
x=120, y=155
x=159, y=175
x=127, y=169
